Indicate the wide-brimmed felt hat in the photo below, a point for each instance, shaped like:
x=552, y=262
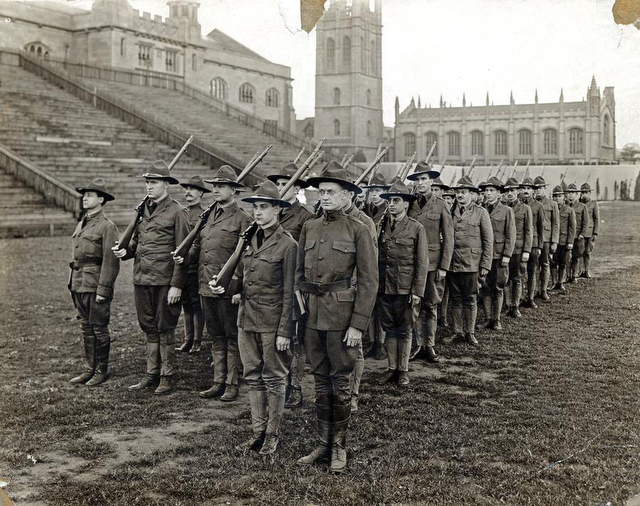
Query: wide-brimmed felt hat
x=492, y=181
x=160, y=170
x=557, y=190
x=585, y=187
x=511, y=184
x=465, y=183
x=423, y=168
x=399, y=189
x=333, y=172
x=225, y=175
x=527, y=181
x=99, y=186
x=287, y=172
x=196, y=182
x=572, y=188
x=539, y=182
x=378, y=181
x=438, y=183
x=267, y=192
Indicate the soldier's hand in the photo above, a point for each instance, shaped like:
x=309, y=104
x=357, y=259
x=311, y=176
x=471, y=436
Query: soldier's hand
x=536, y=251
x=414, y=300
x=100, y=299
x=119, y=252
x=235, y=299
x=593, y=239
x=569, y=246
x=213, y=284
x=174, y=295
x=282, y=343
x=553, y=247
x=440, y=274
x=353, y=337
x=525, y=257
x=178, y=260
x=484, y=272
x=505, y=261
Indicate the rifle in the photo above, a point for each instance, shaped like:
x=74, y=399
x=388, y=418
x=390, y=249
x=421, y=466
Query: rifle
x=514, y=169
x=344, y=159
x=370, y=168
x=299, y=156
x=433, y=148
x=184, y=247
x=542, y=173
x=589, y=176
x=127, y=234
x=404, y=170
x=564, y=175
x=226, y=273
x=471, y=167
x=348, y=161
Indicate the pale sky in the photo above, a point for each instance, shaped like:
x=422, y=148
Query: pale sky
x=454, y=47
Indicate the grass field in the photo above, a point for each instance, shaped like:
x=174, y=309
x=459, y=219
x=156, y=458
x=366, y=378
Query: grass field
x=546, y=412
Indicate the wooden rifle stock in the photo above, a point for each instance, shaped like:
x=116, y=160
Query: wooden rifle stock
x=404, y=171
x=297, y=159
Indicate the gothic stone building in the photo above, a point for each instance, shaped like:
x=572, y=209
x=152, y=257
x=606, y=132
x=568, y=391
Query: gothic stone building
x=113, y=34
x=555, y=133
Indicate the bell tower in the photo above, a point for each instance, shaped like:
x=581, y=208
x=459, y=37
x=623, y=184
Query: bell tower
x=349, y=77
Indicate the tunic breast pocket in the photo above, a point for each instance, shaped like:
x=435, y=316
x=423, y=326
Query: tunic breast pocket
x=269, y=269
x=404, y=249
x=343, y=256
x=498, y=229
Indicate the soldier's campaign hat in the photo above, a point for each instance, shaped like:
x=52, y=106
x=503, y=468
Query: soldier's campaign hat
x=160, y=170
x=585, y=187
x=421, y=169
x=99, y=186
x=378, y=181
x=572, y=188
x=333, y=172
x=287, y=172
x=492, y=181
x=539, y=182
x=527, y=181
x=225, y=175
x=449, y=192
x=267, y=192
x=557, y=190
x=196, y=182
x=399, y=189
x=511, y=184
x=438, y=182
x=465, y=183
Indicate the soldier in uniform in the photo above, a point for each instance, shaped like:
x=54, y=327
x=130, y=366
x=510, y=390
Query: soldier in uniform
x=93, y=273
x=472, y=256
x=591, y=233
x=194, y=189
x=333, y=249
x=566, y=236
x=504, y=241
x=157, y=281
x=438, y=187
x=537, y=216
x=377, y=206
x=212, y=248
x=582, y=228
x=434, y=215
x=265, y=277
x=403, y=263
x=549, y=236
x=292, y=218
x=449, y=197
x=524, y=242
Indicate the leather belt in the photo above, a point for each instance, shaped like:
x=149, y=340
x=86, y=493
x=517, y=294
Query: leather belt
x=77, y=264
x=320, y=288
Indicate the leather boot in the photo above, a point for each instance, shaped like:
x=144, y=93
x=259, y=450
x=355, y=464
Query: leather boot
x=456, y=318
x=469, y=315
x=230, y=393
x=587, y=264
x=89, y=340
x=166, y=385
x=188, y=332
x=215, y=391
x=103, y=345
x=404, y=349
x=391, y=376
x=324, y=416
x=153, y=364
x=275, y=411
x=544, y=282
x=258, y=401
x=531, y=289
x=392, y=352
x=167, y=360
x=341, y=417
x=516, y=294
x=403, y=379
x=295, y=399
x=498, y=298
x=488, y=319
x=147, y=382
x=432, y=356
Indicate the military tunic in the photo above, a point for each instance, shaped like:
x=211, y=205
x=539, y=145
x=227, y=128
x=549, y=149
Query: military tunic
x=292, y=218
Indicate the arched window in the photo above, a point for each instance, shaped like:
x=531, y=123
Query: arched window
x=246, y=93
x=219, y=88
x=500, y=143
x=368, y=97
x=524, y=142
x=369, y=128
x=576, y=141
x=453, y=140
x=430, y=138
x=330, y=49
x=550, y=141
x=346, y=53
x=477, y=143
x=373, y=58
x=409, y=144
x=32, y=48
x=308, y=131
x=336, y=127
x=606, y=130
x=272, y=98
x=336, y=96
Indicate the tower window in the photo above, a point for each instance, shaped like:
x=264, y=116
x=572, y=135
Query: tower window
x=606, y=129
x=576, y=141
x=122, y=46
x=336, y=127
x=550, y=141
x=477, y=143
x=363, y=58
x=369, y=128
x=336, y=96
x=346, y=53
x=524, y=142
x=194, y=62
x=500, y=142
x=373, y=58
x=453, y=139
x=272, y=98
x=368, y=97
x=331, y=55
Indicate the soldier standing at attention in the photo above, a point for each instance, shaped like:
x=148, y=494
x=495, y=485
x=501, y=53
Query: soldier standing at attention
x=157, y=281
x=550, y=235
x=504, y=241
x=93, y=273
x=376, y=207
x=333, y=249
x=566, y=237
x=472, y=255
x=292, y=218
x=403, y=263
x=265, y=278
x=537, y=216
x=590, y=234
x=449, y=197
x=434, y=215
x=194, y=189
x=522, y=250
x=582, y=228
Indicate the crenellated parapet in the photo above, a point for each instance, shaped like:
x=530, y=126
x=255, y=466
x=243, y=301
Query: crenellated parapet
x=156, y=25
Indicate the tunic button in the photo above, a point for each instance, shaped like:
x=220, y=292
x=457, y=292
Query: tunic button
x=248, y=297
x=250, y=283
x=322, y=241
x=252, y=269
x=320, y=258
x=255, y=256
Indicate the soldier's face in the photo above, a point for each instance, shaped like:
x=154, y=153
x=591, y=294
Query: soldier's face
x=573, y=196
x=423, y=184
x=541, y=192
x=222, y=193
x=527, y=191
x=264, y=213
x=437, y=191
x=397, y=206
x=512, y=195
x=559, y=198
x=448, y=199
x=91, y=200
x=375, y=195
x=585, y=196
x=491, y=194
x=193, y=195
x=291, y=192
x=332, y=196
x=463, y=197
x=156, y=188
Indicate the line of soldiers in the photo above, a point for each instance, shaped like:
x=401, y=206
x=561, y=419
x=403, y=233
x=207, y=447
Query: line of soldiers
x=310, y=286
